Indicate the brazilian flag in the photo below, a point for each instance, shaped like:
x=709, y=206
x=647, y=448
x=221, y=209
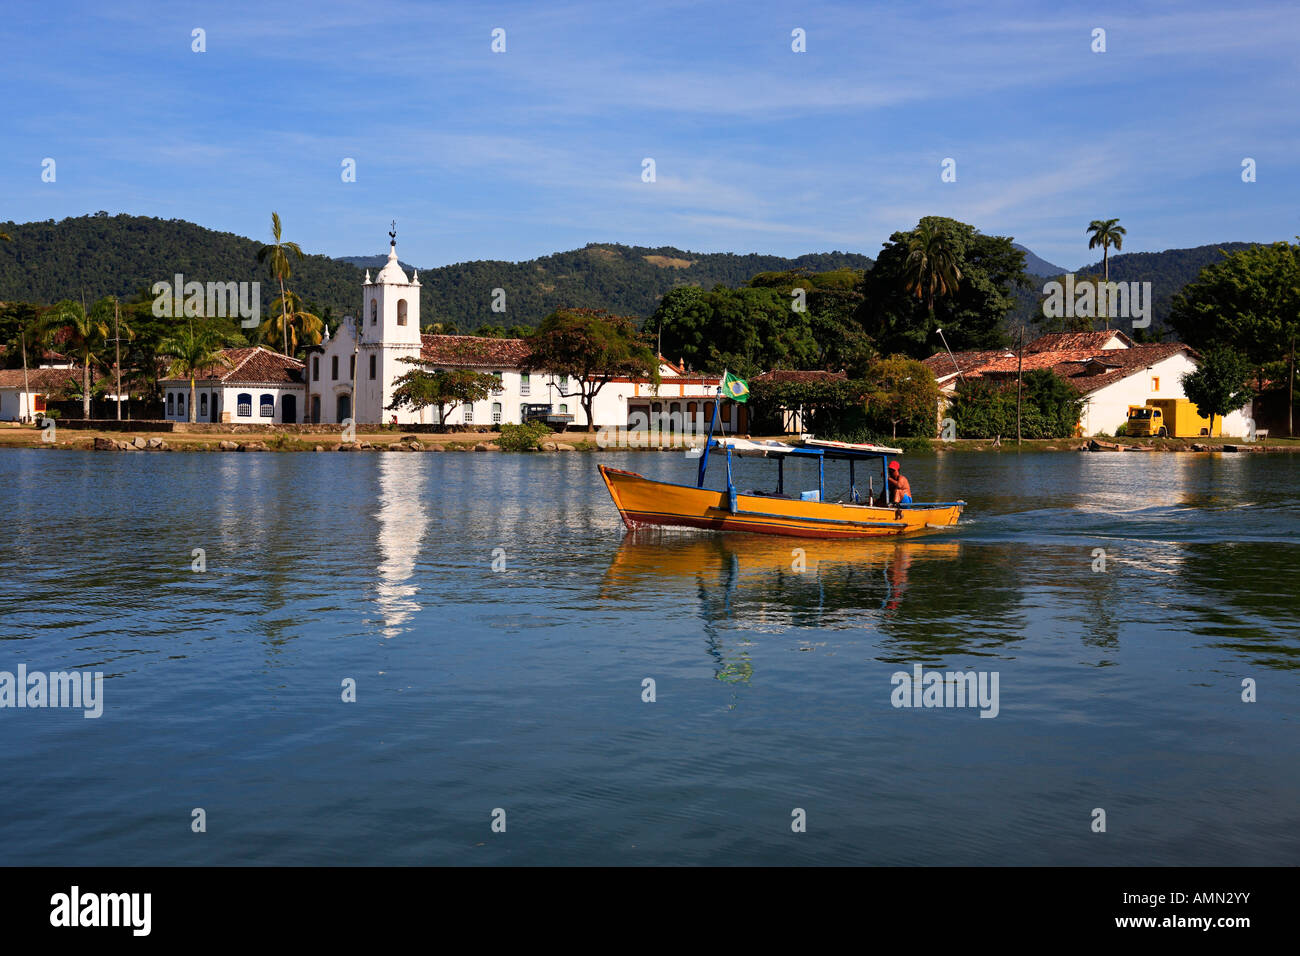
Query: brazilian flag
x=736, y=389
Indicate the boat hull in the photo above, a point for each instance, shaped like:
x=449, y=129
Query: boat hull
x=643, y=502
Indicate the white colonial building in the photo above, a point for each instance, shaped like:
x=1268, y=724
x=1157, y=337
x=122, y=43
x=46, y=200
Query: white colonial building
x=250, y=386
x=1108, y=370
x=367, y=356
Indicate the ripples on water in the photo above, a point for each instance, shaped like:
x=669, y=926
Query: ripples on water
x=521, y=688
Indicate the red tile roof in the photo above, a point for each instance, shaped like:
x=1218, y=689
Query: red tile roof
x=1058, y=341
x=1131, y=361
x=254, y=365
x=46, y=380
x=1033, y=360
x=473, y=351
x=941, y=364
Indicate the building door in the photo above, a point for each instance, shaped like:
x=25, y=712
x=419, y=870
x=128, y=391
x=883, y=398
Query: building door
x=315, y=409
x=343, y=408
x=289, y=409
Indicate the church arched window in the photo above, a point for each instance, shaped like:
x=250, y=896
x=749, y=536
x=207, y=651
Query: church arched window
x=244, y=405
x=171, y=403
x=401, y=311
x=374, y=312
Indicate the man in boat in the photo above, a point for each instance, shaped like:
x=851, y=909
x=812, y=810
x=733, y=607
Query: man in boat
x=898, y=490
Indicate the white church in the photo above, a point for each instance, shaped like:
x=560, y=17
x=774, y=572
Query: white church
x=352, y=375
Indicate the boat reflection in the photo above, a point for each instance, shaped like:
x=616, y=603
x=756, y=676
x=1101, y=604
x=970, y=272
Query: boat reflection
x=758, y=584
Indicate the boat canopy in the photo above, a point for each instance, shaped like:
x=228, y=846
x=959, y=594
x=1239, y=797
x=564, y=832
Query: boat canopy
x=808, y=447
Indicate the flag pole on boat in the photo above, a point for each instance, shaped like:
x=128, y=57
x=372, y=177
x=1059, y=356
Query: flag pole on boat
x=704, y=458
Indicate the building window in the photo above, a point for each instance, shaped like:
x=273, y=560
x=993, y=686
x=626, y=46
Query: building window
x=564, y=409
x=372, y=366
x=1155, y=383
x=352, y=367
x=171, y=403
x=469, y=414
x=244, y=405
x=203, y=404
x=180, y=404
x=497, y=387
x=562, y=383
x=524, y=385
x=267, y=409
x=496, y=413
x=315, y=367
x=374, y=312
x=401, y=311
x=334, y=367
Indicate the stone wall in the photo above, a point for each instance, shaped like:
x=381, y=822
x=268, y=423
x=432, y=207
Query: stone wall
x=255, y=428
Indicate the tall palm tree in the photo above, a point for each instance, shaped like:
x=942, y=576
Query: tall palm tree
x=83, y=334
x=930, y=269
x=301, y=324
x=190, y=350
x=277, y=256
x=1106, y=233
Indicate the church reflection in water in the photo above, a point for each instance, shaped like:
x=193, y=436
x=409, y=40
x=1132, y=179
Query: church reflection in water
x=401, y=519
x=743, y=585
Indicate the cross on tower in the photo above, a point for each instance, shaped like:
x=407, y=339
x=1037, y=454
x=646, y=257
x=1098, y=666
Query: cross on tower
x=392, y=235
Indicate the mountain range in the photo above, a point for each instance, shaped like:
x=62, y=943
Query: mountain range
x=100, y=255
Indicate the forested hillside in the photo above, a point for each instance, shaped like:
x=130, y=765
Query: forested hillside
x=102, y=255
x=1167, y=272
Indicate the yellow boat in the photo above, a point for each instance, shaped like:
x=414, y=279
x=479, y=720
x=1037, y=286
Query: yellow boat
x=644, y=502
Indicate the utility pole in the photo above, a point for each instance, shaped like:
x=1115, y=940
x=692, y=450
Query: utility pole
x=27, y=394
x=943, y=339
x=1020, y=366
x=117, y=358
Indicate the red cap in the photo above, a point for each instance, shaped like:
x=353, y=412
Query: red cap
x=893, y=466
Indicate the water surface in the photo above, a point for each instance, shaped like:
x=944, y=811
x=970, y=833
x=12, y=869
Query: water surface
x=521, y=688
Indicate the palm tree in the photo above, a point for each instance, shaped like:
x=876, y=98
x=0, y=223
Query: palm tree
x=1106, y=233
x=190, y=350
x=83, y=334
x=277, y=256
x=930, y=268
x=299, y=322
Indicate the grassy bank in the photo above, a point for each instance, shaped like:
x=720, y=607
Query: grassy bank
x=27, y=436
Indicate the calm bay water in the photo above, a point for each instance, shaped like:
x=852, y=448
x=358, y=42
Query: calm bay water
x=521, y=689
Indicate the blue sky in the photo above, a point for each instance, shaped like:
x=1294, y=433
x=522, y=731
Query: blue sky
x=483, y=155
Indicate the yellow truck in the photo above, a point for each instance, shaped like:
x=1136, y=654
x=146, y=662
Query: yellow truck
x=1170, y=418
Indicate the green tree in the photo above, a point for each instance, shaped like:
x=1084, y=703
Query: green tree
x=902, y=390
x=1248, y=303
x=747, y=331
x=1219, y=383
x=1106, y=233
x=83, y=334
x=24, y=330
x=591, y=347
x=427, y=386
x=832, y=300
x=971, y=314
x=296, y=319
x=930, y=268
x=192, y=349
x=276, y=255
